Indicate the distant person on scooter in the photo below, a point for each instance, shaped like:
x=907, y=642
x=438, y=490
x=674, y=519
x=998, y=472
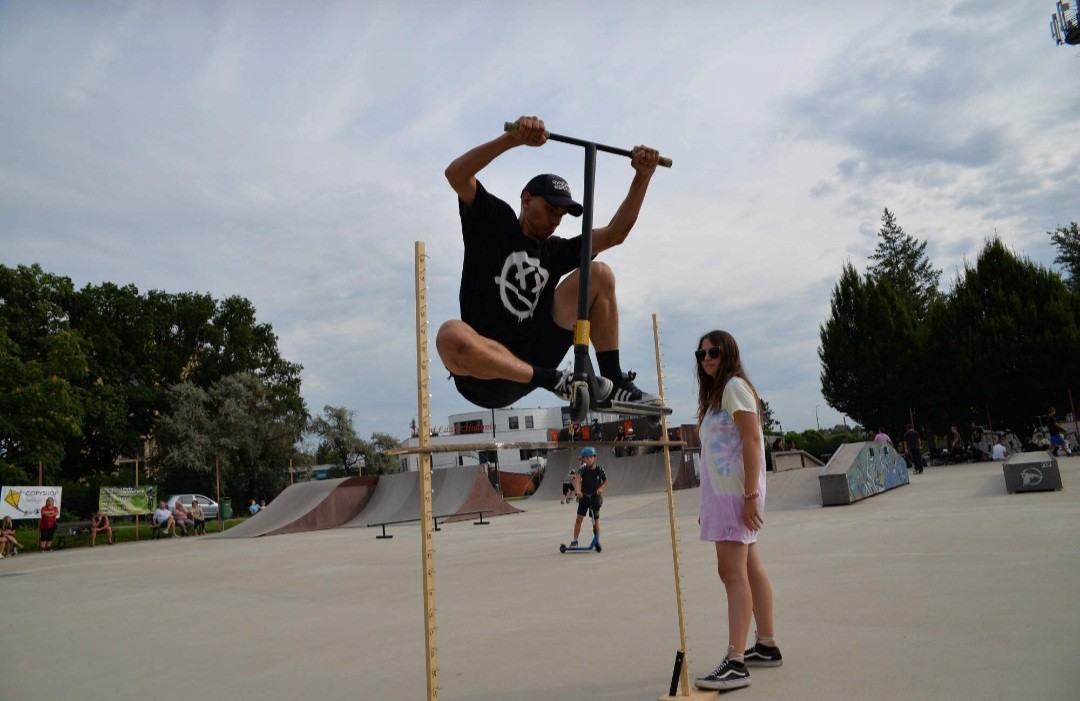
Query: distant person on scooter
x=519, y=282
x=589, y=485
x=1059, y=445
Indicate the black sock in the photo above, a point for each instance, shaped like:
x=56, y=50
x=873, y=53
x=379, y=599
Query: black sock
x=608, y=364
x=545, y=378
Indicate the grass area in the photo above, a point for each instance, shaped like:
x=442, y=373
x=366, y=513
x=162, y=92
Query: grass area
x=122, y=533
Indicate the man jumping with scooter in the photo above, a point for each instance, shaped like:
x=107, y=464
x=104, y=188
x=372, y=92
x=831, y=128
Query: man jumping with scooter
x=517, y=308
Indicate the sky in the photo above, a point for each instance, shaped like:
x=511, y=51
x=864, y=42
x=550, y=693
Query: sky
x=292, y=153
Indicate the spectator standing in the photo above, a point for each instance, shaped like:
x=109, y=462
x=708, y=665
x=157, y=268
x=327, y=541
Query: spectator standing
x=253, y=507
x=883, y=437
x=100, y=522
x=733, y=504
x=913, y=442
x=47, y=524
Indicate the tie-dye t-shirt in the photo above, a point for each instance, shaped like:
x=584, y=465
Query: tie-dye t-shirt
x=722, y=467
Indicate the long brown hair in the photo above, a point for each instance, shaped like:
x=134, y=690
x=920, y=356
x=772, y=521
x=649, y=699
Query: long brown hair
x=711, y=390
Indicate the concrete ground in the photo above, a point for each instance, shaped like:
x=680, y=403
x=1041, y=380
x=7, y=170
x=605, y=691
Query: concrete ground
x=948, y=588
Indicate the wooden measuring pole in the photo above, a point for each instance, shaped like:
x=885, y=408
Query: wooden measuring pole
x=427, y=541
x=685, y=689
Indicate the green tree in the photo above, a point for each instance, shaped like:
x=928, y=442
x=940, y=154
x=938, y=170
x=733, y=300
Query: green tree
x=1067, y=241
x=41, y=363
x=339, y=443
x=236, y=421
x=869, y=350
x=39, y=407
x=901, y=260
x=1005, y=340
x=376, y=460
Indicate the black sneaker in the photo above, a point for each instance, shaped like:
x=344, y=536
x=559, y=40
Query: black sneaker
x=729, y=675
x=627, y=392
x=566, y=377
x=763, y=656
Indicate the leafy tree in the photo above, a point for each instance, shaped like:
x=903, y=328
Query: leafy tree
x=338, y=442
x=1006, y=338
x=236, y=421
x=41, y=362
x=1067, y=241
x=901, y=260
x=768, y=421
x=377, y=461
x=869, y=350
x=39, y=408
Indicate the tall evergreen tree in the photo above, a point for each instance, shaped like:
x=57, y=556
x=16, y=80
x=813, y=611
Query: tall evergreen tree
x=1067, y=241
x=1004, y=342
x=869, y=351
x=901, y=259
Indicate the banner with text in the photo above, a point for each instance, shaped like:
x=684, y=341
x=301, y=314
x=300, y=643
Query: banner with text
x=127, y=501
x=26, y=502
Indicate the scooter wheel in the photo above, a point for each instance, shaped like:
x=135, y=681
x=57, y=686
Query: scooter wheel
x=579, y=404
x=562, y=548
x=598, y=548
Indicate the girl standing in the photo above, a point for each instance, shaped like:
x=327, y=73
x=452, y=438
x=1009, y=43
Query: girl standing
x=732, y=505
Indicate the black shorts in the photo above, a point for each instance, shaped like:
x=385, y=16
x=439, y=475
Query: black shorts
x=542, y=343
x=47, y=534
x=585, y=502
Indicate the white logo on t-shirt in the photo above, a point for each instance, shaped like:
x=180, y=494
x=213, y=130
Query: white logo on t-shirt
x=520, y=284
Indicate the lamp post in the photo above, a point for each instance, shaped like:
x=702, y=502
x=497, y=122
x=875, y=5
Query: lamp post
x=816, y=418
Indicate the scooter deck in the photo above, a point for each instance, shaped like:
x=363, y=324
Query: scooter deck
x=631, y=409
x=580, y=548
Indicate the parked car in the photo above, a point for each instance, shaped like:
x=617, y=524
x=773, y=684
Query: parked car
x=209, y=506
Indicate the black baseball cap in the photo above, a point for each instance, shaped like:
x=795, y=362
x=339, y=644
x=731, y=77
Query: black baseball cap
x=556, y=191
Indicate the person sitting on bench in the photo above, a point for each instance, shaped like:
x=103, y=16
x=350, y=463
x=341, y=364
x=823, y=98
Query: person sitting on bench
x=100, y=523
x=163, y=519
x=182, y=518
x=517, y=308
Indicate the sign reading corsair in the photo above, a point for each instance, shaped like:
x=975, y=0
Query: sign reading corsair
x=1032, y=472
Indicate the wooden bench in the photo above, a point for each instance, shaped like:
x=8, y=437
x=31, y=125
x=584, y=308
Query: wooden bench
x=480, y=513
x=66, y=533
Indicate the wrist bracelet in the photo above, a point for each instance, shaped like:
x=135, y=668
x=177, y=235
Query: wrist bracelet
x=751, y=495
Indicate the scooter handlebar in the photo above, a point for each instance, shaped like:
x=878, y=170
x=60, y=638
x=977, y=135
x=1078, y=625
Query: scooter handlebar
x=513, y=126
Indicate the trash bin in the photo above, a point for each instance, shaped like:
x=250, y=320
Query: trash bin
x=226, y=508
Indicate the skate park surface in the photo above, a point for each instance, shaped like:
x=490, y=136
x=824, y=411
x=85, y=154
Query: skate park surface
x=946, y=588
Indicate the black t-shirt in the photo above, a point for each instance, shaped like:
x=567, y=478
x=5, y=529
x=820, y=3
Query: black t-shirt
x=508, y=280
x=591, y=479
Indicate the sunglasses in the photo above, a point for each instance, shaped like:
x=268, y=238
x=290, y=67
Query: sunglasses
x=713, y=353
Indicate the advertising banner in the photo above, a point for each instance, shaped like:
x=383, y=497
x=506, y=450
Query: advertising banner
x=127, y=501
x=26, y=502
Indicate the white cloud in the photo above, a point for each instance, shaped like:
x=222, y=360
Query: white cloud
x=292, y=154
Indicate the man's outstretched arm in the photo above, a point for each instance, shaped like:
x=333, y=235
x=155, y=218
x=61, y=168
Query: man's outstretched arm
x=461, y=173
x=644, y=163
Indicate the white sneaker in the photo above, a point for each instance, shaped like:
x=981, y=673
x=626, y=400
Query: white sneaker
x=562, y=387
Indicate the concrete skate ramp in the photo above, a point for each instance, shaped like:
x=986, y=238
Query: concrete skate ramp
x=793, y=489
x=456, y=490
x=635, y=474
x=860, y=470
x=309, y=506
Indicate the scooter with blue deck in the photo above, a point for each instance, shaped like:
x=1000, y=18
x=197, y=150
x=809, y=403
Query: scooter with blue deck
x=594, y=545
